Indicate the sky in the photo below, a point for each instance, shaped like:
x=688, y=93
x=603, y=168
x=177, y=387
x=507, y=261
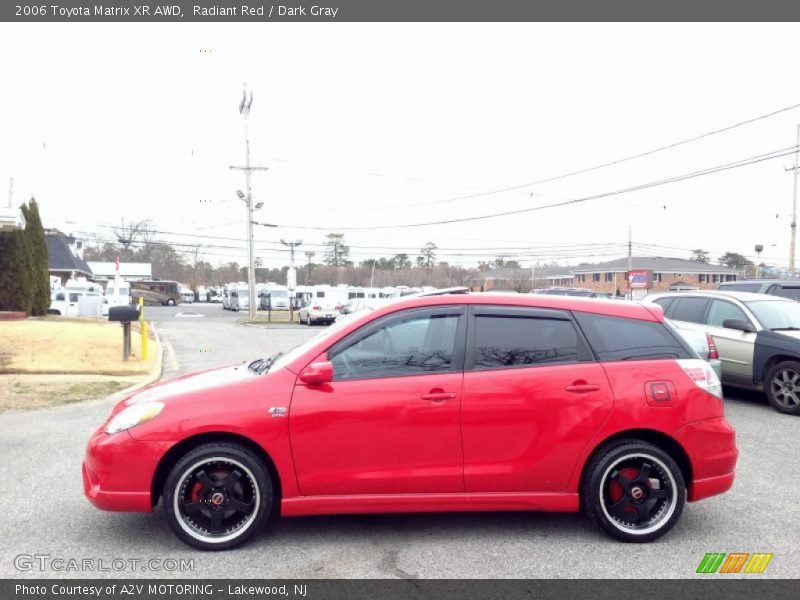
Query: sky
x=374, y=125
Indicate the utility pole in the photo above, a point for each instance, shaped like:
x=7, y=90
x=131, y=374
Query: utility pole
x=244, y=110
x=10, y=191
x=291, y=277
x=309, y=256
x=630, y=263
x=794, y=205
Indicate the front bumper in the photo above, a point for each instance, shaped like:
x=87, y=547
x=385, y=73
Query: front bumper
x=711, y=446
x=118, y=471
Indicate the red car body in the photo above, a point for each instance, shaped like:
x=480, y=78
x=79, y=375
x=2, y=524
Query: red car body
x=467, y=440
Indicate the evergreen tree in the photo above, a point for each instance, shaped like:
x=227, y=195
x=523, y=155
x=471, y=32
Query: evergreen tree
x=15, y=270
x=39, y=275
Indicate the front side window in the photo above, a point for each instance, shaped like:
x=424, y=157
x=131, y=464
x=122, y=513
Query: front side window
x=721, y=310
x=690, y=310
x=618, y=338
x=513, y=341
x=776, y=314
x=411, y=346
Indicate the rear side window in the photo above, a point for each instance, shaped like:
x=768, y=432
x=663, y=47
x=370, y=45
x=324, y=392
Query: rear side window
x=664, y=302
x=514, y=341
x=786, y=292
x=690, y=310
x=618, y=338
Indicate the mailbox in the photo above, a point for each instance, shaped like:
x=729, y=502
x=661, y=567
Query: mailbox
x=125, y=315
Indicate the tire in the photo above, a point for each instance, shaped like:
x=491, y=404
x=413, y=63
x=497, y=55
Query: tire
x=309, y=322
x=619, y=492
x=207, y=476
x=782, y=386
x=171, y=302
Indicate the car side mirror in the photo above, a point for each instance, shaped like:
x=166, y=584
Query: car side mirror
x=738, y=324
x=318, y=372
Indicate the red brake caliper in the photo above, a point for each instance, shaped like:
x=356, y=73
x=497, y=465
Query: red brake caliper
x=615, y=490
x=196, y=489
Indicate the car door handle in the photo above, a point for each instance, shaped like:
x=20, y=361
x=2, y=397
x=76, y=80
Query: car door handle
x=582, y=388
x=438, y=396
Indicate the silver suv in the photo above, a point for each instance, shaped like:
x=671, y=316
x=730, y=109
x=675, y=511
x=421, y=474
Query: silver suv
x=757, y=337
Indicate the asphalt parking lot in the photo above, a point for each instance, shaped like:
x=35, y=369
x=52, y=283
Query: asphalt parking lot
x=46, y=512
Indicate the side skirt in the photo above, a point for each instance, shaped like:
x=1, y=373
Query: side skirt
x=411, y=503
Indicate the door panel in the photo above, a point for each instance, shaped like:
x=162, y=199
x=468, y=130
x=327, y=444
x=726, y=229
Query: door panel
x=378, y=436
x=523, y=431
x=735, y=347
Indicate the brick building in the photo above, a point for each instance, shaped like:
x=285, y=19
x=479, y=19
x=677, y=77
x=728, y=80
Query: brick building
x=662, y=274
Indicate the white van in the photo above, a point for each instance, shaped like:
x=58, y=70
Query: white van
x=66, y=303
x=240, y=298
x=118, y=293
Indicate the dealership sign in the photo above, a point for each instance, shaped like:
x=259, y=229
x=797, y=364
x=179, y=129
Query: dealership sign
x=639, y=279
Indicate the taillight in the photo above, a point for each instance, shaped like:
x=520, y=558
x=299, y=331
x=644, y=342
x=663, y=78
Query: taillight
x=316, y=308
x=713, y=353
x=703, y=375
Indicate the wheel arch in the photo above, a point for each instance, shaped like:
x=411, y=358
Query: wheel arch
x=774, y=360
x=174, y=454
x=667, y=443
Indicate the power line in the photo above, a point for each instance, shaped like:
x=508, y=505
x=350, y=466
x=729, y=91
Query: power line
x=603, y=165
x=708, y=171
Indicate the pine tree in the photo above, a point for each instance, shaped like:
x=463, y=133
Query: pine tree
x=15, y=271
x=39, y=275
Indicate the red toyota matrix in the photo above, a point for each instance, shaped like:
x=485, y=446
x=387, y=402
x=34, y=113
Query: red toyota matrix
x=450, y=402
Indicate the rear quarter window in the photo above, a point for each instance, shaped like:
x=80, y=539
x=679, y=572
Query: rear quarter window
x=618, y=338
x=691, y=310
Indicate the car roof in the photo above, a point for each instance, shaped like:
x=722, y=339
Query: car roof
x=791, y=282
x=614, y=308
x=735, y=295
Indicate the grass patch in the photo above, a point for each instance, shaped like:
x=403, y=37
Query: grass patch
x=44, y=393
x=57, y=345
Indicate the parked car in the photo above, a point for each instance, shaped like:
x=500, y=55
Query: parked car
x=450, y=402
x=66, y=302
x=318, y=311
x=226, y=298
x=240, y=298
x=757, y=336
x=274, y=298
x=785, y=288
x=702, y=343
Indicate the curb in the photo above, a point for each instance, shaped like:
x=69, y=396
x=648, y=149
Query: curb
x=154, y=375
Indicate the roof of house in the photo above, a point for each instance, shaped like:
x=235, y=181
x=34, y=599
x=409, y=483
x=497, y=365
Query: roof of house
x=126, y=269
x=659, y=264
x=60, y=256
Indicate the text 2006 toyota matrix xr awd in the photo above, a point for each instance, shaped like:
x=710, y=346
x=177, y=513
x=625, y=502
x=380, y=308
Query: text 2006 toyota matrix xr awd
x=450, y=402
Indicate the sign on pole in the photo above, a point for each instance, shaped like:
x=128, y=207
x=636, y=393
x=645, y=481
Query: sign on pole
x=639, y=279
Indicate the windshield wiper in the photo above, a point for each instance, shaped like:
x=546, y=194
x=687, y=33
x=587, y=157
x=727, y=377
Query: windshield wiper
x=262, y=365
x=784, y=328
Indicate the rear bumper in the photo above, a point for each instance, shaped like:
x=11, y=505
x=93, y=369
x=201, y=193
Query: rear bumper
x=711, y=446
x=118, y=471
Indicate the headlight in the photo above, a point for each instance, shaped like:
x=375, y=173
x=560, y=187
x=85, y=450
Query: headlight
x=133, y=415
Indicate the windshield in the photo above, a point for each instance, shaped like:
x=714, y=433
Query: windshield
x=279, y=294
x=775, y=314
x=330, y=331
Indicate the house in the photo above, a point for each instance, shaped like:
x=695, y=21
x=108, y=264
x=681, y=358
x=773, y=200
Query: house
x=130, y=271
x=11, y=218
x=65, y=256
x=654, y=274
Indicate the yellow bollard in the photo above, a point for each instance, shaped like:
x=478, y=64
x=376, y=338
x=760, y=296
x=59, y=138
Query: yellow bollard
x=143, y=328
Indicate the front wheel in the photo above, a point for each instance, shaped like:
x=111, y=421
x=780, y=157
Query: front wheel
x=633, y=490
x=171, y=302
x=783, y=387
x=217, y=496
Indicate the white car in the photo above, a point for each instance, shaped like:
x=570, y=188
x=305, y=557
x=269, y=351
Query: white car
x=65, y=302
x=240, y=298
x=318, y=312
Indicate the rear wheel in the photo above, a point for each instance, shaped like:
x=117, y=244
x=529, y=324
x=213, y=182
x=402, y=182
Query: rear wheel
x=309, y=323
x=783, y=387
x=217, y=496
x=633, y=490
x=170, y=302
